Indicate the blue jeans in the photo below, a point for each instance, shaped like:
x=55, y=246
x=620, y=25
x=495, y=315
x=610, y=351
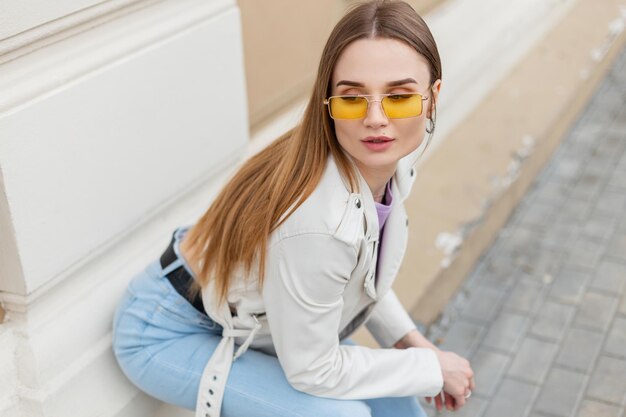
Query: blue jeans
x=162, y=344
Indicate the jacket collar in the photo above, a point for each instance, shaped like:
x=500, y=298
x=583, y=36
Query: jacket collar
x=403, y=180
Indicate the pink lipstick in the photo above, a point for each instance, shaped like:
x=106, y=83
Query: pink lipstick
x=377, y=143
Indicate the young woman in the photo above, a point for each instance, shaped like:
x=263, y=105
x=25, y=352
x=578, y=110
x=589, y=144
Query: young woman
x=299, y=249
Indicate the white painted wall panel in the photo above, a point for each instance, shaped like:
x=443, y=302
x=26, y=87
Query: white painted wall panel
x=8, y=368
x=92, y=159
x=17, y=16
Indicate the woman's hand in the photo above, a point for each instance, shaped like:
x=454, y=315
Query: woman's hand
x=458, y=377
x=458, y=380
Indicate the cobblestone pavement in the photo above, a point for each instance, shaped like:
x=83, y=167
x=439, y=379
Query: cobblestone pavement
x=542, y=317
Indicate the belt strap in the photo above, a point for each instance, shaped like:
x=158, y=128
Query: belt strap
x=213, y=381
x=180, y=279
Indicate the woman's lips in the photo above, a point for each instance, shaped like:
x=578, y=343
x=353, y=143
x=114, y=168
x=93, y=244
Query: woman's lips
x=377, y=143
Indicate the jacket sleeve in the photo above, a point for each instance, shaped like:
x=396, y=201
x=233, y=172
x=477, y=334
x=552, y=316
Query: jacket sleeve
x=389, y=321
x=303, y=290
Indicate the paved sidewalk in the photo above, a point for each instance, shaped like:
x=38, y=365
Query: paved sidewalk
x=542, y=317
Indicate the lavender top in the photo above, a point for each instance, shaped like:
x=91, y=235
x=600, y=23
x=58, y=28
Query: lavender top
x=383, y=209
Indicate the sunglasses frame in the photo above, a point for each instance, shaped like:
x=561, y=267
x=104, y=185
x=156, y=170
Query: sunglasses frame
x=369, y=101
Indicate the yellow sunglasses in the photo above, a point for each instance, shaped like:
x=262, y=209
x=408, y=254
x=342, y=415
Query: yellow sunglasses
x=395, y=106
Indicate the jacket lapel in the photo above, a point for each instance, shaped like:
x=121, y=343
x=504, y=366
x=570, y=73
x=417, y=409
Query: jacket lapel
x=393, y=245
x=395, y=236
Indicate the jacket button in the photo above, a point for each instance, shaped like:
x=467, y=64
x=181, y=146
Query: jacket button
x=412, y=172
x=407, y=222
x=211, y=391
x=357, y=202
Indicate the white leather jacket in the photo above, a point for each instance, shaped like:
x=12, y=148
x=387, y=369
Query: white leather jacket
x=320, y=284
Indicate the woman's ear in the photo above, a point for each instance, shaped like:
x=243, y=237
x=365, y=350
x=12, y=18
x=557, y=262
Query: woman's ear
x=434, y=91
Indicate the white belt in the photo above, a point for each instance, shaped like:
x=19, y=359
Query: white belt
x=215, y=374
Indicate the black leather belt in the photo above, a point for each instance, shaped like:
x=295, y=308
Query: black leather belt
x=179, y=277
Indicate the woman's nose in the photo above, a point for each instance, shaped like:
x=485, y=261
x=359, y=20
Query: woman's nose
x=375, y=116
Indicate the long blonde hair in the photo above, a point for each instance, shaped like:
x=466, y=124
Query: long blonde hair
x=271, y=185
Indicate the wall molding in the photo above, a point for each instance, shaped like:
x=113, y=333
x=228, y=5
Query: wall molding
x=58, y=29
x=96, y=44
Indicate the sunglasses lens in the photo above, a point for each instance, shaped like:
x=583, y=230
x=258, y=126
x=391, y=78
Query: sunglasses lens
x=348, y=107
x=399, y=106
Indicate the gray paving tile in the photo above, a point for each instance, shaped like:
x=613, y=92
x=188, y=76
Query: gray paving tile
x=542, y=265
x=533, y=360
x=608, y=382
x=539, y=214
x=588, y=186
x=517, y=239
x=462, y=338
x=525, y=297
x=617, y=182
x=596, y=165
x=596, y=311
x=526, y=261
x=552, y=320
x=561, y=392
x=569, y=285
x=617, y=245
x=607, y=104
x=506, y=332
x=567, y=170
x=483, y=303
x=614, y=139
x=579, y=349
x=598, y=228
x=610, y=277
x=585, y=253
x=622, y=223
x=488, y=369
x=576, y=210
x=474, y=407
x=495, y=271
x=560, y=234
x=513, y=399
x=622, y=305
x=609, y=151
x=611, y=204
x=591, y=408
x=616, y=341
x=585, y=130
x=553, y=191
x=621, y=165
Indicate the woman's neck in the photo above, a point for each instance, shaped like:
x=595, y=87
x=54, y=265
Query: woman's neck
x=377, y=180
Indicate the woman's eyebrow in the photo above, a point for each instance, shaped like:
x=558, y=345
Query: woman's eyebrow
x=401, y=82
x=350, y=83
x=389, y=84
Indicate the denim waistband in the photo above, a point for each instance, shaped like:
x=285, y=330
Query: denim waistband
x=174, y=270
